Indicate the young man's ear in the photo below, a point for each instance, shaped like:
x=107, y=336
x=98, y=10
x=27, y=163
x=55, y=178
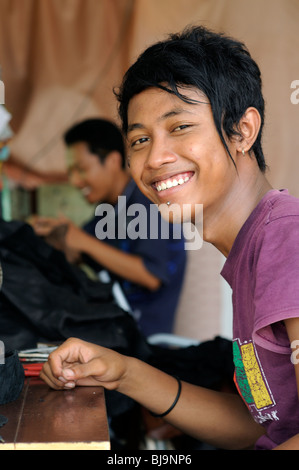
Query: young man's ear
x=248, y=128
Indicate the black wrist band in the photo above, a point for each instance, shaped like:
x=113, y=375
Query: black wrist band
x=157, y=415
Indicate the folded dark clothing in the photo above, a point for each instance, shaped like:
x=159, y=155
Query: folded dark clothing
x=11, y=378
x=3, y=420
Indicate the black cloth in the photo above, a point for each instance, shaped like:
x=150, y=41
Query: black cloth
x=3, y=420
x=45, y=298
x=11, y=378
x=208, y=364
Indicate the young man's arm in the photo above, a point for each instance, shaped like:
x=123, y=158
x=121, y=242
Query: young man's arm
x=220, y=419
x=126, y=265
x=213, y=417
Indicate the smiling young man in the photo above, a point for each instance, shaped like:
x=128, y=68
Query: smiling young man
x=193, y=112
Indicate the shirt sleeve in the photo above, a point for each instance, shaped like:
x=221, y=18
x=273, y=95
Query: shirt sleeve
x=275, y=280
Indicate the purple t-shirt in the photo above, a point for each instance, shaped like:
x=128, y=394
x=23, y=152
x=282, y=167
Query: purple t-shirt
x=263, y=271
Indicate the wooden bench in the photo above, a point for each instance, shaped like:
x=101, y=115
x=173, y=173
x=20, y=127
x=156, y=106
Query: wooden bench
x=45, y=419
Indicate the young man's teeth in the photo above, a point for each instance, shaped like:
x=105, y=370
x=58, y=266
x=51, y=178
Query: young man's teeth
x=171, y=183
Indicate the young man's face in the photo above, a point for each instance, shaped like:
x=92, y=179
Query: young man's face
x=175, y=152
x=88, y=174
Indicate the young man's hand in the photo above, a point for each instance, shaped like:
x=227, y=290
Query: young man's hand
x=77, y=362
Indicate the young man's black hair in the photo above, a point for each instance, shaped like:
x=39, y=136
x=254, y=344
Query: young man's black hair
x=101, y=136
x=217, y=65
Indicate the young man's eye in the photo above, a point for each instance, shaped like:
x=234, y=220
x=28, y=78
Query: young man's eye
x=140, y=141
x=181, y=127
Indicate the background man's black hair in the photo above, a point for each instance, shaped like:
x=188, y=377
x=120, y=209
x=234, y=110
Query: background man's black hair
x=101, y=136
x=217, y=65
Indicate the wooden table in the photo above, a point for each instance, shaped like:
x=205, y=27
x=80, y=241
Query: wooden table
x=45, y=419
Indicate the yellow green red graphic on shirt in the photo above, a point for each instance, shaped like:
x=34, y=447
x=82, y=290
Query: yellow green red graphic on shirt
x=249, y=377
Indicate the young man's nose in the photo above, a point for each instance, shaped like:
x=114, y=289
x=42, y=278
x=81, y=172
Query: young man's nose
x=160, y=154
